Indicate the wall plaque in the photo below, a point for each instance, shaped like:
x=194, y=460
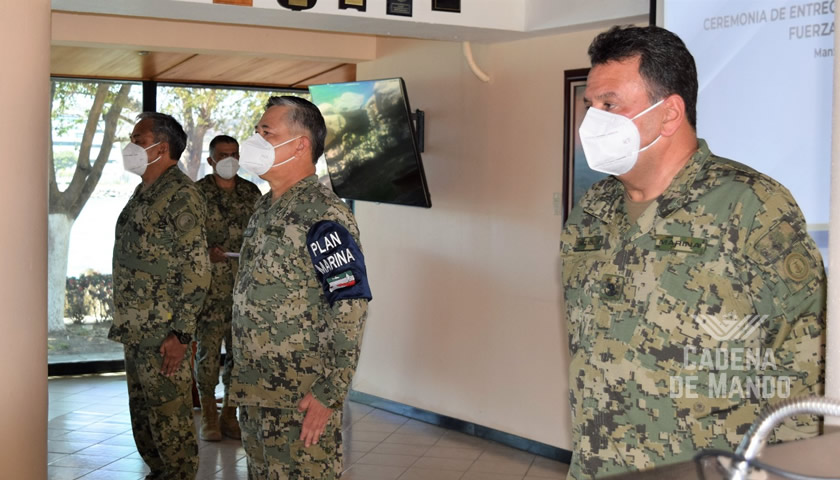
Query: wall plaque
x=297, y=4
x=398, y=7
x=359, y=5
x=447, y=5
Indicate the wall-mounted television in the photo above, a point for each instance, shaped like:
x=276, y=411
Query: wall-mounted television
x=371, y=148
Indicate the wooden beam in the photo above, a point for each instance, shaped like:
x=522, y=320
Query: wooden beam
x=137, y=33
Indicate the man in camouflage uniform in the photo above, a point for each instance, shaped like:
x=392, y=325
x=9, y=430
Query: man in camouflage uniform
x=299, y=303
x=161, y=275
x=689, y=279
x=230, y=202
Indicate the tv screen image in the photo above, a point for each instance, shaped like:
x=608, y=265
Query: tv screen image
x=371, y=151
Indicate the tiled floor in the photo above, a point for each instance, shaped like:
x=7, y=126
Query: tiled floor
x=90, y=438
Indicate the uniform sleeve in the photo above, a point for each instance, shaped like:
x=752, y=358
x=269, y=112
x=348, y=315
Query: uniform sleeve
x=788, y=284
x=340, y=268
x=190, y=269
x=346, y=324
x=205, y=198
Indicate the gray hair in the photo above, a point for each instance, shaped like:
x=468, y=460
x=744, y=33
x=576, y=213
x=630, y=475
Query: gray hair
x=303, y=115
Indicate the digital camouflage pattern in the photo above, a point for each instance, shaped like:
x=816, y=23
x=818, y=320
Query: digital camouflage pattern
x=287, y=339
x=161, y=270
x=723, y=241
x=271, y=438
x=227, y=216
x=161, y=415
x=161, y=275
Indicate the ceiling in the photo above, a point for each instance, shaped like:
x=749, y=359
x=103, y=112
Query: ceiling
x=186, y=40
x=130, y=64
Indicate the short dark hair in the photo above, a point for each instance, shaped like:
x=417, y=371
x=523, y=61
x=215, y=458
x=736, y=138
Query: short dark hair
x=221, y=139
x=665, y=64
x=166, y=129
x=303, y=114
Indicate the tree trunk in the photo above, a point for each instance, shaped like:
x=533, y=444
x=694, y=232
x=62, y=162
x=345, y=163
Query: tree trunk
x=64, y=207
x=193, y=153
x=59, y=226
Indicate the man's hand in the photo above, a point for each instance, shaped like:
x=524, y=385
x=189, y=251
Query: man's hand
x=315, y=420
x=172, y=351
x=217, y=255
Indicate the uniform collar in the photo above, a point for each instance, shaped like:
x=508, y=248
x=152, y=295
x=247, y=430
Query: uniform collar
x=304, y=184
x=168, y=175
x=609, y=193
x=237, y=183
x=686, y=186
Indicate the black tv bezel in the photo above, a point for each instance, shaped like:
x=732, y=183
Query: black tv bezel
x=417, y=155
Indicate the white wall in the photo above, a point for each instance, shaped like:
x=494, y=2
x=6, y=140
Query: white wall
x=467, y=317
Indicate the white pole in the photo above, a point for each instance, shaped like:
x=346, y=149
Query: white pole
x=832, y=363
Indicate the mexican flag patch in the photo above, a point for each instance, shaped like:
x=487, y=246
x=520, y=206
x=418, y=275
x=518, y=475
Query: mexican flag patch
x=341, y=280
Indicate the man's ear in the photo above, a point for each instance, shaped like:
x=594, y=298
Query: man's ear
x=674, y=114
x=304, y=144
x=164, y=150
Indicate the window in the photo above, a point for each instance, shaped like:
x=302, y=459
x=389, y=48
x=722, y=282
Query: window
x=209, y=111
x=91, y=121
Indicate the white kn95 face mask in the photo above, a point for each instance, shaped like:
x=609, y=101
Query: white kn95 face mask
x=135, y=159
x=611, y=141
x=256, y=154
x=227, y=167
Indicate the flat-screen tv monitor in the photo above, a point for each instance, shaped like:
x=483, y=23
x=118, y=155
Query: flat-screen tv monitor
x=371, y=148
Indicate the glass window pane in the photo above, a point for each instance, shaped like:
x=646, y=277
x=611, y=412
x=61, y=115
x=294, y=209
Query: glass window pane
x=91, y=120
x=206, y=112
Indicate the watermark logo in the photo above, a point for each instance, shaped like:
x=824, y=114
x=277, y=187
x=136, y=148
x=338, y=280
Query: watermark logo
x=728, y=373
x=730, y=326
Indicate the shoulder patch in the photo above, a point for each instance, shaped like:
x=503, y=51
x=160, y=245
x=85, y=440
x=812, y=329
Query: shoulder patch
x=338, y=261
x=797, y=266
x=185, y=222
x=783, y=250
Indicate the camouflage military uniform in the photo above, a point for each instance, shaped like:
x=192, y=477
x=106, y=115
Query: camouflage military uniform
x=722, y=243
x=299, y=307
x=161, y=275
x=275, y=450
x=227, y=216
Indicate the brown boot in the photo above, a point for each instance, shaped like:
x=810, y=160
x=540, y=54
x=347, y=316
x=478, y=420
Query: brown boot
x=228, y=423
x=209, y=430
